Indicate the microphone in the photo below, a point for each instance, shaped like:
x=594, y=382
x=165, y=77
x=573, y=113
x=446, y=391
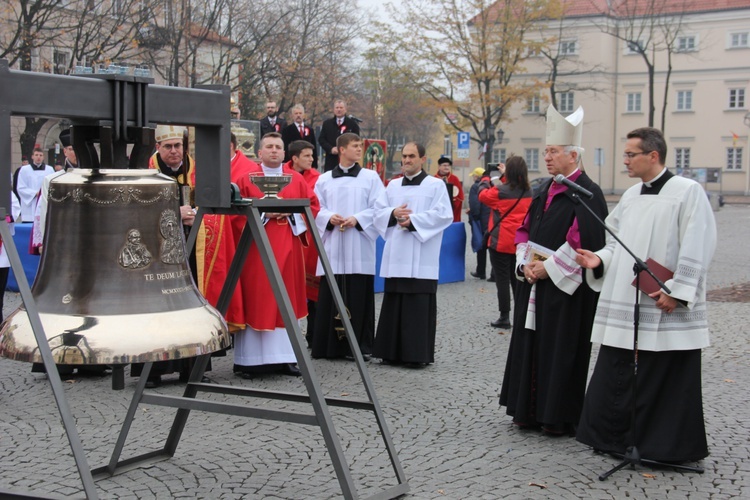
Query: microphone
x=358, y=120
x=561, y=179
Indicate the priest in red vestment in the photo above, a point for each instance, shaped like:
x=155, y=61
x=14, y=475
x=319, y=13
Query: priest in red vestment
x=264, y=342
x=302, y=161
x=216, y=245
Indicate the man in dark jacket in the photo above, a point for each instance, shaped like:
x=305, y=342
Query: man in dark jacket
x=272, y=122
x=332, y=129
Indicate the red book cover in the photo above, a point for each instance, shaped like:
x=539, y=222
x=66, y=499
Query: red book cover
x=648, y=284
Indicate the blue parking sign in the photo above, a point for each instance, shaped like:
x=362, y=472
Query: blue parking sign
x=463, y=140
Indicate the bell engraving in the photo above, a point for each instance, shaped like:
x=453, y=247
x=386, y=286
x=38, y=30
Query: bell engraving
x=134, y=255
x=172, y=249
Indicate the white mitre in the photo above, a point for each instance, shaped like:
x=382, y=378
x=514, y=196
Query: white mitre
x=168, y=132
x=562, y=131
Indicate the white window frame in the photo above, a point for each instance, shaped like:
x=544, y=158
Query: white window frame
x=531, y=155
x=682, y=157
x=736, y=98
x=629, y=47
x=499, y=155
x=566, y=101
x=684, y=100
x=633, y=102
x=734, y=158
x=533, y=104
x=738, y=40
x=55, y=65
x=568, y=47
x=690, y=43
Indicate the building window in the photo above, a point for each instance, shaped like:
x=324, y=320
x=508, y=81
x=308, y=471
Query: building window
x=499, y=155
x=568, y=47
x=738, y=40
x=736, y=98
x=684, y=100
x=532, y=104
x=686, y=43
x=734, y=158
x=60, y=60
x=634, y=102
x=682, y=157
x=634, y=47
x=447, y=146
x=565, y=102
x=532, y=159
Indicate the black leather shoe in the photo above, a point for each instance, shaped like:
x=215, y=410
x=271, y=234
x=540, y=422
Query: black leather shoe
x=477, y=275
x=366, y=357
x=501, y=323
x=291, y=369
x=491, y=279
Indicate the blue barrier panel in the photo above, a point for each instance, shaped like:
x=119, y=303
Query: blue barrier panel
x=30, y=262
x=452, y=256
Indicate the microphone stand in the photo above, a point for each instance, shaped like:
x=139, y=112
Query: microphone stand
x=632, y=456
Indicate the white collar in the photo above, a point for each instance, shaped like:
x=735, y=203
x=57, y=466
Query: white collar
x=272, y=171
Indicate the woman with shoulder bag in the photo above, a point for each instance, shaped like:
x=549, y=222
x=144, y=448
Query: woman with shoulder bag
x=509, y=198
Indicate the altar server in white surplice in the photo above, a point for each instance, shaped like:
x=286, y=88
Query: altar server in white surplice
x=668, y=219
x=411, y=216
x=347, y=197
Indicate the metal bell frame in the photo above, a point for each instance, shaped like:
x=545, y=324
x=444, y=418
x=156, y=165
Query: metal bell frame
x=123, y=108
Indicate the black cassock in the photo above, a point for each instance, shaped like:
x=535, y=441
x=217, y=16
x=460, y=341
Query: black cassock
x=546, y=372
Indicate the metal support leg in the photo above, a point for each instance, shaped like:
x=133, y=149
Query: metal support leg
x=49, y=362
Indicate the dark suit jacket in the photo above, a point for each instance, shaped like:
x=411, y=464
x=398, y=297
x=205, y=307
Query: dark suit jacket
x=329, y=132
x=265, y=126
x=290, y=133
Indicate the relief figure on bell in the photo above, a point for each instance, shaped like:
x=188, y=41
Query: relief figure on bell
x=134, y=255
x=172, y=249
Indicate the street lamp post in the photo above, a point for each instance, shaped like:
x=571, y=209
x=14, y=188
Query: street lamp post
x=489, y=143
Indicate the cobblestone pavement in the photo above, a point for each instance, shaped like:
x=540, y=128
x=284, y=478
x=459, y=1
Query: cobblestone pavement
x=454, y=441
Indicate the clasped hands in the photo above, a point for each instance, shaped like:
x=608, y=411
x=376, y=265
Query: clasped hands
x=535, y=271
x=402, y=214
x=343, y=223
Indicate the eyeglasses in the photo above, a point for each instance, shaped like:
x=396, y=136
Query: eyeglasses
x=630, y=156
x=172, y=146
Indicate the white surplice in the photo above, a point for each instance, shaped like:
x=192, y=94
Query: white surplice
x=675, y=227
x=413, y=254
x=350, y=251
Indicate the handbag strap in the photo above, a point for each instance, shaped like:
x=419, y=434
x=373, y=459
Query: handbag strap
x=496, y=227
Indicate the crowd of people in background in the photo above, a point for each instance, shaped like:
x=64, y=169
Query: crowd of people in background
x=561, y=281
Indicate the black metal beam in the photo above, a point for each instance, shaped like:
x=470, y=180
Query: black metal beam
x=122, y=101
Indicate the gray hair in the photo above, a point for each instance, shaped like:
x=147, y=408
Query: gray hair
x=579, y=152
x=298, y=106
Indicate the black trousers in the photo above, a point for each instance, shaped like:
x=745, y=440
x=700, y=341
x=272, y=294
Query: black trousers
x=503, y=264
x=482, y=261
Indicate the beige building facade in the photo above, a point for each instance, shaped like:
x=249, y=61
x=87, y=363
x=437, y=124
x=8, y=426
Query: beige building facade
x=707, y=119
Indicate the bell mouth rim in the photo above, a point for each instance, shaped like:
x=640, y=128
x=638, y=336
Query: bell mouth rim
x=116, y=339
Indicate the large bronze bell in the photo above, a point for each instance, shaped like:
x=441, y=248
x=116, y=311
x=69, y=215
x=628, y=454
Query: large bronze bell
x=114, y=285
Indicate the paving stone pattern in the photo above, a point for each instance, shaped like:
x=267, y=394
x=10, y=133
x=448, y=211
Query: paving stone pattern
x=453, y=439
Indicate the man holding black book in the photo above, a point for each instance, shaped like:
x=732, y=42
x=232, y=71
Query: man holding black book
x=667, y=219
